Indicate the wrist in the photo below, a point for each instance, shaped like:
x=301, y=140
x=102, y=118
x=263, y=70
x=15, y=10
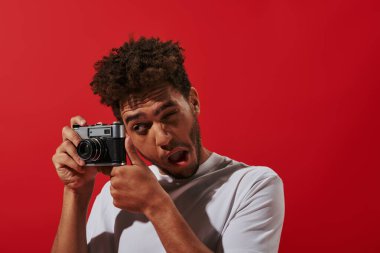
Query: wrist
x=161, y=206
x=81, y=188
x=81, y=197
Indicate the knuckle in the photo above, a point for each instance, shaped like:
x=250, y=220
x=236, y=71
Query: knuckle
x=116, y=203
x=65, y=144
x=71, y=148
x=76, y=139
x=113, y=183
x=71, y=136
x=122, y=171
x=53, y=159
x=116, y=171
x=119, y=172
x=63, y=157
x=68, y=161
x=113, y=193
x=76, y=120
x=64, y=130
x=72, y=164
x=55, y=156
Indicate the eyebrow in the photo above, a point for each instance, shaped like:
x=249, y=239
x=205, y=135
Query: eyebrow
x=163, y=107
x=156, y=112
x=134, y=117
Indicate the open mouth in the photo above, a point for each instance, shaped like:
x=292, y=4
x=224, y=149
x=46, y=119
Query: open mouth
x=179, y=158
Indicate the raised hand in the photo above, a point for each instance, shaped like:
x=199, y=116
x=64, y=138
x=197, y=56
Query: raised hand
x=70, y=168
x=134, y=187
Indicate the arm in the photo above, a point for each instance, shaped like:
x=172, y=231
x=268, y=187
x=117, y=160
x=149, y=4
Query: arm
x=175, y=234
x=135, y=188
x=71, y=233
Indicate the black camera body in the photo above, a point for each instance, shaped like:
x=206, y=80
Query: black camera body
x=101, y=144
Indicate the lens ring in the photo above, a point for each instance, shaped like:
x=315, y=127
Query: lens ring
x=98, y=150
x=91, y=149
x=85, y=149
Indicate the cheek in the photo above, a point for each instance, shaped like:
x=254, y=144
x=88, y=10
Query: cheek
x=145, y=146
x=183, y=129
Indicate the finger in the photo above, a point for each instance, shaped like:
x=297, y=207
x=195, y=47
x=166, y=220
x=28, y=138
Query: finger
x=69, y=134
x=132, y=153
x=77, y=120
x=114, y=171
x=69, y=148
x=64, y=160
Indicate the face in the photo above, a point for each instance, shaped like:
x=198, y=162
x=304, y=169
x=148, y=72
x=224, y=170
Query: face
x=164, y=129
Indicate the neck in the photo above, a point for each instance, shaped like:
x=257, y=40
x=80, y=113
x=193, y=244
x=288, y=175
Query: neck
x=205, y=154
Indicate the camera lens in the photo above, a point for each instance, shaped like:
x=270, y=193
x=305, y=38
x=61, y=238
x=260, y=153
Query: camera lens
x=91, y=149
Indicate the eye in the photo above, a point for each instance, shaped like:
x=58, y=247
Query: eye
x=169, y=115
x=141, y=128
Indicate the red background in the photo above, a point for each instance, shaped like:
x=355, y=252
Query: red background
x=293, y=85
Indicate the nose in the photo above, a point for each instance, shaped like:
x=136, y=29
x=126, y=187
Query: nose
x=162, y=136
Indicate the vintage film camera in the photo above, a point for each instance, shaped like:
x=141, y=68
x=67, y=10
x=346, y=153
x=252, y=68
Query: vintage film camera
x=102, y=145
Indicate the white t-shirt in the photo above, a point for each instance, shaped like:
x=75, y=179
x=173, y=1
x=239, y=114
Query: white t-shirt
x=230, y=206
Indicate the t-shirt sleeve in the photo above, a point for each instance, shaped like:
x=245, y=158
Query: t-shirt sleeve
x=256, y=225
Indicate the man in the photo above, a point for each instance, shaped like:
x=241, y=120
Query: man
x=190, y=199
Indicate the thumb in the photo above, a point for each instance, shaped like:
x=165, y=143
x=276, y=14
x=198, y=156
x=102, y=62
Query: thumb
x=132, y=153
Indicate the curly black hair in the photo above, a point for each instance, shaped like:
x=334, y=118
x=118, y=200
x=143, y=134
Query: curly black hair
x=137, y=67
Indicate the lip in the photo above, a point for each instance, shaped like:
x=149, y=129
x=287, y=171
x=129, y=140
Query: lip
x=175, y=150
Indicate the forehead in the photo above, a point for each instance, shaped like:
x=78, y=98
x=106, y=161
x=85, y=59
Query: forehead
x=151, y=100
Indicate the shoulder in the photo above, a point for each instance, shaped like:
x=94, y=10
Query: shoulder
x=262, y=182
x=253, y=180
x=260, y=174
x=237, y=172
x=246, y=180
x=257, y=213
x=248, y=173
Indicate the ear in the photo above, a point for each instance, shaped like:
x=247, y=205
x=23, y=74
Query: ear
x=194, y=101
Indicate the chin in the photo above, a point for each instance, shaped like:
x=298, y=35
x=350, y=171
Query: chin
x=180, y=171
